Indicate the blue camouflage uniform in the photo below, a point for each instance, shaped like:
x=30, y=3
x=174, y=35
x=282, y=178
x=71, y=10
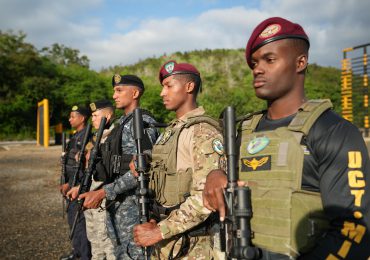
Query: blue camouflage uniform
x=123, y=213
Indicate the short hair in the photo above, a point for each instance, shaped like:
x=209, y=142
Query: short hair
x=299, y=45
x=189, y=77
x=109, y=110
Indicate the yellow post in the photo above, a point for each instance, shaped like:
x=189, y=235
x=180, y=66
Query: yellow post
x=43, y=123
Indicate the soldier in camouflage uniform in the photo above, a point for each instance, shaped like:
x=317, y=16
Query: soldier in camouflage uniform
x=96, y=228
x=120, y=192
x=187, y=150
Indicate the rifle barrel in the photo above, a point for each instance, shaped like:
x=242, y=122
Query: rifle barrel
x=86, y=181
x=141, y=169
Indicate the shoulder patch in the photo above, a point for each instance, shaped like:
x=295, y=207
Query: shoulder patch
x=217, y=146
x=165, y=136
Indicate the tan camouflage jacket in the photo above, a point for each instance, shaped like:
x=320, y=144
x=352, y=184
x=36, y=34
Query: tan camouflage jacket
x=197, y=149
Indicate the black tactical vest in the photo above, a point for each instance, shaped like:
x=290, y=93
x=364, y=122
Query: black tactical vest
x=73, y=147
x=114, y=162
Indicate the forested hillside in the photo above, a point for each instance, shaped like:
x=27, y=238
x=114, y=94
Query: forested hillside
x=62, y=75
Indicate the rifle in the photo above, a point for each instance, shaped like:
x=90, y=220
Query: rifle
x=141, y=169
x=63, y=171
x=81, y=159
x=63, y=160
x=237, y=227
x=86, y=180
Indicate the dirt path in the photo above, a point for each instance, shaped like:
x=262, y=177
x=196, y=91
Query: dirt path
x=31, y=223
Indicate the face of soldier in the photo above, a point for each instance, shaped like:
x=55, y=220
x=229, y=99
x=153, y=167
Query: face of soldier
x=96, y=118
x=174, y=93
x=76, y=119
x=123, y=96
x=274, y=70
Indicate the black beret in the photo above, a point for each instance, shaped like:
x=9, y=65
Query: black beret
x=127, y=80
x=81, y=110
x=100, y=104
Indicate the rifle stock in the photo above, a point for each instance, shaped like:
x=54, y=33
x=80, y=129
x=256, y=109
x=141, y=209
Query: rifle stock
x=63, y=160
x=81, y=156
x=63, y=170
x=86, y=180
x=237, y=229
x=81, y=159
x=141, y=169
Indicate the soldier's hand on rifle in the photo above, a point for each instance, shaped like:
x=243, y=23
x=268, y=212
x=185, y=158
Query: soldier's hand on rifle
x=64, y=188
x=87, y=155
x=93, y=199
x=147, y=234
x=72, y=193
x=132, y=166
x=213, y=193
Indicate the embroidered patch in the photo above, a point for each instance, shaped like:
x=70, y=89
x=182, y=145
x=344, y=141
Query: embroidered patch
x=258, y=163
x=169, y=66
x=217, y=146
x=166, y=136
x=270, y=30
x=93, y=107
x=74, y=108
x=305, y=150
x=257, y=144
x=117, y=78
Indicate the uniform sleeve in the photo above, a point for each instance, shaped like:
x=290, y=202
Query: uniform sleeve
x=125, y=182
x=128, y=182
x=344, y=171
x=192, y=212
x=151, y=133
x=121, y=185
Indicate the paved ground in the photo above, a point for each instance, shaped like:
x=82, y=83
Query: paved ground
x=31, y=222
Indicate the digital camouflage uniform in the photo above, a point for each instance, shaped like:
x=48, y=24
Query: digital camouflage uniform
x=96, y=228
x=123, y=213
x=196, y=155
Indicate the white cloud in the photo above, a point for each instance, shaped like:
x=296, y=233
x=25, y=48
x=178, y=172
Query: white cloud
x=332, y=25
x=46, y=22
x=123, y=24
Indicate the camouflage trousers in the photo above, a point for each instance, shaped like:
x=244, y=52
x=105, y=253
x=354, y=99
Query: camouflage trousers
x=96, y=230
x=199, y=248
x=122, y=216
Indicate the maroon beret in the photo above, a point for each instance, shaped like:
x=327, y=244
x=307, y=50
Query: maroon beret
x=173, y=68
x=270, y=30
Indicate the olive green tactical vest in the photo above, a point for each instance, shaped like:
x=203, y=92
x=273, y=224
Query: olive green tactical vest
x=171, y=186
x=286, y=219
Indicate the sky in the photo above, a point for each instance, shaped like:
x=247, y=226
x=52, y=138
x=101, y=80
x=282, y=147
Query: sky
x=122, y=32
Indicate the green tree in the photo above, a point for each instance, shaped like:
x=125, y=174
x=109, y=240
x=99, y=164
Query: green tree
x=63, y=55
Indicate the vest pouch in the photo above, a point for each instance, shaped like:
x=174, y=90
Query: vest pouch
x=177, y=188
x=157, y=180
x=308, y=220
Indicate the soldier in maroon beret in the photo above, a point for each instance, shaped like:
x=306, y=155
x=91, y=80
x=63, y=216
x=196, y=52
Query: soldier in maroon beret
x=307, y=167
x=188, y=149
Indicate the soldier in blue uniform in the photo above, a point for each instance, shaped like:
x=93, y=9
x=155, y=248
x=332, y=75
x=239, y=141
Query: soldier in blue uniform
x=117, y=152
x=81, y=245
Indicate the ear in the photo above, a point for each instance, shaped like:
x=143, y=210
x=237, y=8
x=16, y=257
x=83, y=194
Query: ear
x=135, y=93
x=190, y=86
x=108, y=116
x=302, y=62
